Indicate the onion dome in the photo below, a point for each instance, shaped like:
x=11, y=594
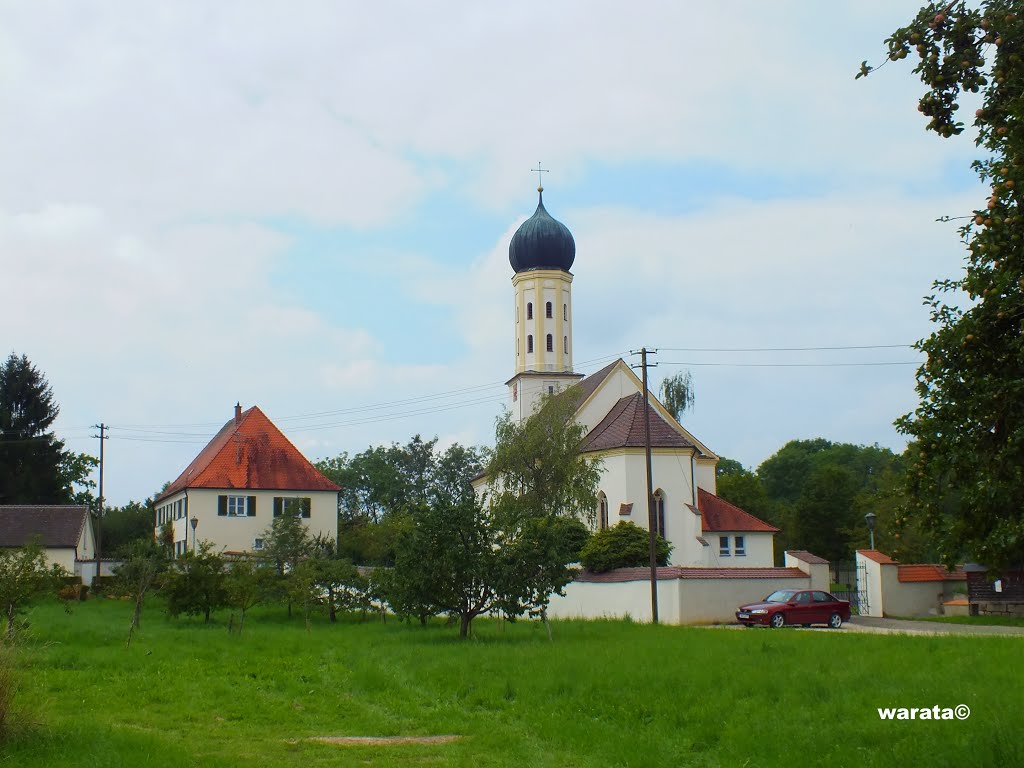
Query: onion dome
x=541, y=242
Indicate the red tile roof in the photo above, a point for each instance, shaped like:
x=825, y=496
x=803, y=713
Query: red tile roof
x=878, y=557
x=623, y=427
x=687, y=572
x=807, y=557
x=250, y=452
x=54, y=526
x=910, y=573
x=719, y=515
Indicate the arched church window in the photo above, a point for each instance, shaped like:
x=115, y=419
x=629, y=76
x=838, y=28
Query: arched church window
x=565, y=312
x=565, y=344
x=529, y=310
x=529, y=344
x=547, y=310
x=602, y=511
x=551, y=343
x=659, y=512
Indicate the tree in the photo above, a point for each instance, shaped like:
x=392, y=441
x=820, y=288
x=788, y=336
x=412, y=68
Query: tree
x=967, y=481
x=123, y=526
x=677, y=393
x=196, y=583
x=246, y=583
x=34, y=467
x=144, y=561
x=24, y=576
x=625, y=545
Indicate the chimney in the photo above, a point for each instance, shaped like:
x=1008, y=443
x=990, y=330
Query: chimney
x=238, y=412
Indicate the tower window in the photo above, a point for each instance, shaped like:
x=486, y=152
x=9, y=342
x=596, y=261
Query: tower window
x=565, y=344
x=529, y=344
x=517, y=313
x=551, y=343
x=565, y=312
x=529, y=311
x=547, y=310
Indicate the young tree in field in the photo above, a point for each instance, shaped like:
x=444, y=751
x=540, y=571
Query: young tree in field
x=24, y=576
x=967, y=480
x=195, y=585
x=285, y=544
x=245, y=585
x=677, y=393
x=34, y=467
x=143, y=564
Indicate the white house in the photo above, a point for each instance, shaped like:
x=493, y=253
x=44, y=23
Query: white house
x=703, y=529
x=247, y=475
x=64, y=532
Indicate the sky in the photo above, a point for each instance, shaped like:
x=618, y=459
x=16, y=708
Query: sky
x=307, y=207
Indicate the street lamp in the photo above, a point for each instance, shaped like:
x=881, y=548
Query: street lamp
x=869, y=518
x=195, y=522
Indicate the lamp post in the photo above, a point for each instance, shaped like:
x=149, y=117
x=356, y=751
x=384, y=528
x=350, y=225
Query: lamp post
x=870, y=518
x=195, y=522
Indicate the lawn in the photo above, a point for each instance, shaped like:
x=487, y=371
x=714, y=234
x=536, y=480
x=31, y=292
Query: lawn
x=602, y=694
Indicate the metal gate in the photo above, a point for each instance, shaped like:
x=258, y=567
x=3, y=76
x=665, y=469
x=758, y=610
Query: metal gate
x=850, y=582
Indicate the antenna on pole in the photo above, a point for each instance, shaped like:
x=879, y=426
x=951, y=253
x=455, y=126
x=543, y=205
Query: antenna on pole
x=652, y=523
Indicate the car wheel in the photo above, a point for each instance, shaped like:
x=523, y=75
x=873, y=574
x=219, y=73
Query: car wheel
x=835, y=621
x=778, y=621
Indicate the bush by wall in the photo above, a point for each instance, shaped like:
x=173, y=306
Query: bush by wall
x=625, y=545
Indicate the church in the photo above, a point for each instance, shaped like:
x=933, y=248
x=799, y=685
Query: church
x=704, y=530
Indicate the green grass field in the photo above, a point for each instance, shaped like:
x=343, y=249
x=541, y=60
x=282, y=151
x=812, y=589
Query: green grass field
x=602, y=694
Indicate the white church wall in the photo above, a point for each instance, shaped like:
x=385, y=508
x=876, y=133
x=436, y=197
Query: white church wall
x=617, y=600
x=704, y=472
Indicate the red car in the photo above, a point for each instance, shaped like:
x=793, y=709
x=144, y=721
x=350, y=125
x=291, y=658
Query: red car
x=795, y=606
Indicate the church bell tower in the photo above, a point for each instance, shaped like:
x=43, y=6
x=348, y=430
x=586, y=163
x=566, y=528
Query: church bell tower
x=541, y=252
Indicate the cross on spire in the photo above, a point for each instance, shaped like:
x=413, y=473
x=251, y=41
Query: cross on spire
x=539, y=171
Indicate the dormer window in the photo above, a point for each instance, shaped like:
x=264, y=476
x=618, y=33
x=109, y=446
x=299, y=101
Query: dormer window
x=529, y=311
x=547, y=310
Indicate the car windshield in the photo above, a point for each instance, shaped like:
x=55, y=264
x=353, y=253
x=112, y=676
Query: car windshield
x=780, y=596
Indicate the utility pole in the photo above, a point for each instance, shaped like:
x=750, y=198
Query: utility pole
x=99, y=512
x=652, y=524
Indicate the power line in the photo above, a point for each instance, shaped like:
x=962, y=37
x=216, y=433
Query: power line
x=786, y=349
x=793, y=365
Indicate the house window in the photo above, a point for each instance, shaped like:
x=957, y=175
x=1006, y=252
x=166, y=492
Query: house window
x=529, y=310
x=547, y=310
x=659, y=512
x=739, y=546
x=257, y=545
x=551, y=343
x=236, y=506
x=296, y=506
x=723, y=546
x=602, y=511
x=529, y=344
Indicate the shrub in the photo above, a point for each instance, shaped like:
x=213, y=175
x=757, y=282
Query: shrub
x=7, y=684
x=76, y=591
x=622, y=546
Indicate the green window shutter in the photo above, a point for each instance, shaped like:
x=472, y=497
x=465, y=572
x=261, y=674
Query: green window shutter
x=307, y=506
x=222, y=506
x=250, y=506
x=278, y=504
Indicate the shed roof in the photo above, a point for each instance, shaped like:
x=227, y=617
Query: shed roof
x=807, y=557
x=878, y=557
x=52, y=525
x=689, y=572
x=250, y=452
x=717, y=514
x=912, y=573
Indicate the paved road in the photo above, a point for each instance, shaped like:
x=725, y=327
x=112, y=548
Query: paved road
x=867, y=624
